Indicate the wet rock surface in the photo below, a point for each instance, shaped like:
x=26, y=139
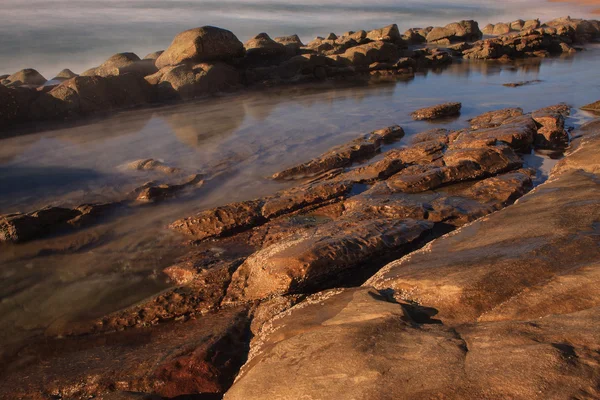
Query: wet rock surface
x=438, y=111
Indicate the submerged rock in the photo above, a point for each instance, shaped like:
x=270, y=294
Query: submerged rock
x=150, y=164
x=437, y=111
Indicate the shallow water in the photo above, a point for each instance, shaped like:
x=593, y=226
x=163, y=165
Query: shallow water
x=50, y=35
x=240, y=139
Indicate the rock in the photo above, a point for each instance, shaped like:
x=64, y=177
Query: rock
x=154, y=55
x=113, y=65
x=344, y=155
x=313, y=259
x=237, y=217
x=88, y=94
x=594, y=107
x=371, y=348
x=378, y=170
x=455, y=32
x=292, y=43
x=494, y=118
x=518, y=132
x=150, y=164
x=153, y=192
x=437, y=134
x=263, y=46
x=64, y=75
x=389, y=33
x=488, y=29
x=521, y=83
x=367, y=54
x=186, y=81
x=174, y=359
x=16, y=103
x=501, y=29
x=27, y=76
x=517, y=25
x=455, y=205
x=26, y=227
x=419, y=153
x=203, y=44
x=437, y=111
x=331, y=36
x=498, y=268
x=551, y=133
x=531, y=24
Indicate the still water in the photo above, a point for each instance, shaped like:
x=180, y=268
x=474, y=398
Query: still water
x=241, y=139
x=50, y=35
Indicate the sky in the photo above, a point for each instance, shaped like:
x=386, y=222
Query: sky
x=50, y=35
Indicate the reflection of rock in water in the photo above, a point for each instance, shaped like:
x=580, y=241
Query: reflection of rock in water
x=206, y=122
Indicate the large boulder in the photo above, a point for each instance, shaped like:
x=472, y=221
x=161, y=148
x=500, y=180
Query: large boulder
x=112, y=65
x=207, y=43
x=388, y=33
x=27, y=76
x=292, y=43
x=463, y=31
x=186, y=81
x=64, y=75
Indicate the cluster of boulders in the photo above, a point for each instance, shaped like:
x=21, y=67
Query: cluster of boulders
x=352, y=211
x=207, y=60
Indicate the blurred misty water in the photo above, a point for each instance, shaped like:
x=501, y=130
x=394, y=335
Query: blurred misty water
x=50, y=35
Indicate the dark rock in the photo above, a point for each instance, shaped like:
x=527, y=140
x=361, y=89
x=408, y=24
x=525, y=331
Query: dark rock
x=151, y=192
x=197, y=356
x=25, y=227
x=203, y=44
x=438, y=111
x=344, y=155
x=521, y=83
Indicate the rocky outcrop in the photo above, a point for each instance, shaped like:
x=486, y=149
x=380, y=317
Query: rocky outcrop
x=437, y=111
x=594, y=107
x=342, y=156
x=494, y=118
x=551, y=133
x=366, y=347
x=64, y=75
x=504, y=270
x=205, y=44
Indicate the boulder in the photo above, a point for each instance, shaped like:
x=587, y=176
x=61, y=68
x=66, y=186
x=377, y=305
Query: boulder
x=501, y=29
x=463, y=31
x=262, y=45
x=88, y=94
x=25, y=227
x=389, y=33
x=292, y=43
x=518, y=132
x=186, y=81
x=517, y=25
x=203, y=44
x=531, y=24
x=437, y=111
x=367, y=54
x=27, y=76
x=153, y=55
x=313, y=259
x=113, y=65
x=488, y=29
x=64, y=75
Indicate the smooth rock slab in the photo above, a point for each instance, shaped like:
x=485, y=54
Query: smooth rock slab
x=437, y=111
x=311, y=259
